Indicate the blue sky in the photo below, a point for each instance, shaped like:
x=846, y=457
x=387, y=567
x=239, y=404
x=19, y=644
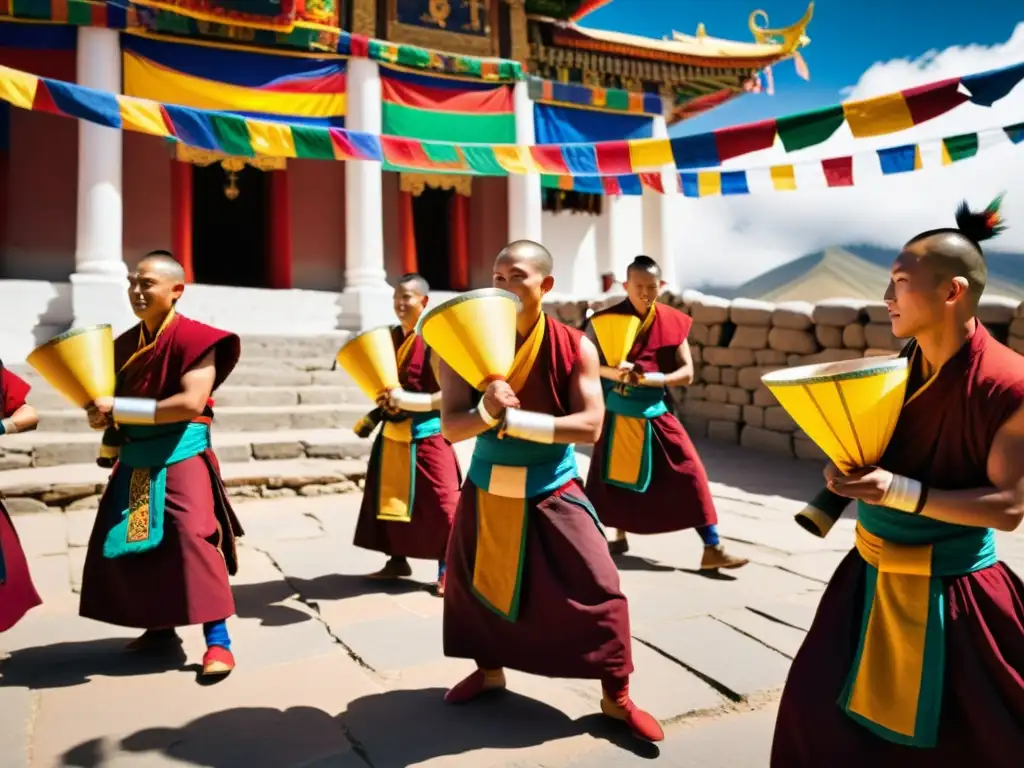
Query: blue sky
x=847, y=37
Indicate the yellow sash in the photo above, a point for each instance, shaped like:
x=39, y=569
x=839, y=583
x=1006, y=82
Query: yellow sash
x=628, y=436
x=501, y=509
x=396, y=485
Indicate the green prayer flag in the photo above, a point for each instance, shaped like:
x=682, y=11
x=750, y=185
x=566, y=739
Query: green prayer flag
x=232, y=133
x=961, y=147
x=313, y=143
x=809, y=128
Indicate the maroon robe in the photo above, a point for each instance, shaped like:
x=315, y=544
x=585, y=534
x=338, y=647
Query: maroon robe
x=573, y=618
x=437, y=482
x=982, y=720
x=17, y=593
x=184, y=580
x=678, y=496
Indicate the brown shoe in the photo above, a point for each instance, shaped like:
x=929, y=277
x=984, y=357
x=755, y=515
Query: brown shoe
x=395, y=568
x=619, y=545
x=716, y=557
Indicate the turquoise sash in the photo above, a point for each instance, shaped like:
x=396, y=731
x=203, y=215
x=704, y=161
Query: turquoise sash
x=629, y=439
x=138, y=500
x=894, y=688
x=548, y=467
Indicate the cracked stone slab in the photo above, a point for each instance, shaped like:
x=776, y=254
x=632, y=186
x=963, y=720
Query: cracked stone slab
x=779, y=637
x=395, y=642
x=272, y=716
x=720, y=653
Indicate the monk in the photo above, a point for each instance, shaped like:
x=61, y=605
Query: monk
x=645, y=475
x=915, y=658
x=413, y=478
x=18, y=595
x=531, y=585
x=163, y=543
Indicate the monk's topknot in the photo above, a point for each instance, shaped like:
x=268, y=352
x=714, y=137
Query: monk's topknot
x=978, y=226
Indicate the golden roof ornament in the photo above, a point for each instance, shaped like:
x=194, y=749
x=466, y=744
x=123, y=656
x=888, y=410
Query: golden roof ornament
x=788, y=38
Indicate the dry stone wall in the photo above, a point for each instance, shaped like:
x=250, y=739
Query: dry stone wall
x=736, y=342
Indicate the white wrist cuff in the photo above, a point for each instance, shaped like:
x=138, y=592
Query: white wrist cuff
x=902, y=494
x=530, y=425
x=134, y=410
x=486, y=417
x=10, y=428
x=415, y=402
x=654, y=379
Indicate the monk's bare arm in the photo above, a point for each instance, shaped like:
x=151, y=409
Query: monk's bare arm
x=25, y=419
x=1000, y=507
x=196, y=388
x=459, y=419
x=681, y=376
x=586, y=400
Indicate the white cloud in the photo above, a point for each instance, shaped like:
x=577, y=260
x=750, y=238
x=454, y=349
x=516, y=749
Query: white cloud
x=729, y=240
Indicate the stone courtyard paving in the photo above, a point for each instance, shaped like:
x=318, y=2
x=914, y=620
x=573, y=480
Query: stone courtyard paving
x=337, y=672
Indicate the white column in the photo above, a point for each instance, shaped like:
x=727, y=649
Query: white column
x=99, y=289
x=524, y=193
x=367, y=295
x=659, y=217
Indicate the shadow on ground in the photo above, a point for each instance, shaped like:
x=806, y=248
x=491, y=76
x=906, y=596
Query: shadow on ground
x=265, y=601
x=395, y=728
x=64, y=665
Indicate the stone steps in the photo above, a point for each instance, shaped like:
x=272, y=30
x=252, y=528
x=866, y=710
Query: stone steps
x=237, y=419
x=52, y=449
x=79, y=486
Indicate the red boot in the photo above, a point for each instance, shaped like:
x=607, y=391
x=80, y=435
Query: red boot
x=218, y=661
x=616, y=704
x=478, y=683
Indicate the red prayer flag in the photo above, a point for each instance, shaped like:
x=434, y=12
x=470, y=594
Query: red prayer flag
x=652, y=180
x=404, y=152
x=739, y=140
x=611, y=185
x=613, y=157
x=934, y=99
x=549, y=158
x=838, y=171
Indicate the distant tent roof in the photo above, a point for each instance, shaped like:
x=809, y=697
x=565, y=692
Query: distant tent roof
x=837, y=273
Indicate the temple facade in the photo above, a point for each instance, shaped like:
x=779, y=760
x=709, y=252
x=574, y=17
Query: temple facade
x=275, y=245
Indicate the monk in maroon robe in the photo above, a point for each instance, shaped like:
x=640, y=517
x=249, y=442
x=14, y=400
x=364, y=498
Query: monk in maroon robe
x=163, y=543
x=531, y=584
x=645, y=475
x=413, y=477
x=915, y=658
x=17, y=593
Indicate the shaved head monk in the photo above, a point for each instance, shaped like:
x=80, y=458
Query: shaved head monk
x=915, y=658
x=645, y=475
x=413, y=477
x=164, y=539
x=531, y=585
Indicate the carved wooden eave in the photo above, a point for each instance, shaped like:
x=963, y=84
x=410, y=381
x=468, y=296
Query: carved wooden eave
x=203, y=158
x=416, y=183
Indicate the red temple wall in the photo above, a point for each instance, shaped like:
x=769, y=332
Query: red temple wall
x=145, y=186
x=316, y=191
x=42, y=197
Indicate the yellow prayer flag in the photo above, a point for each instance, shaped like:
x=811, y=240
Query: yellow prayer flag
x=650, y=154
x=917, y=157
x=709, y=184
x=783, y=178
x=514, y=159
x=272, y=139
x=879, y=116
x=18, y=88
x=946, y=159
x=142, y=115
